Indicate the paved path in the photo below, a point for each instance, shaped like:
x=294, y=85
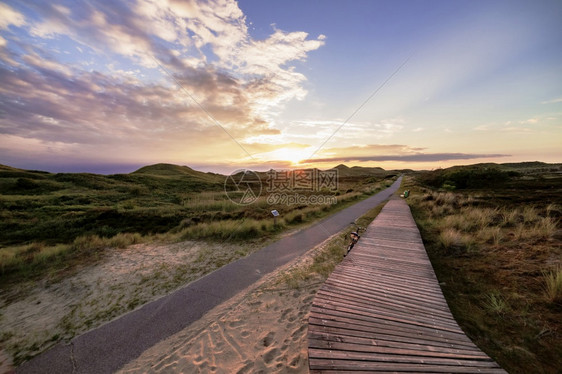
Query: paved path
x=382, y=309
x=111, y=346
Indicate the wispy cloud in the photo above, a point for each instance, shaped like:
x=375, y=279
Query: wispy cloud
x=530, y=121
x=553, y=101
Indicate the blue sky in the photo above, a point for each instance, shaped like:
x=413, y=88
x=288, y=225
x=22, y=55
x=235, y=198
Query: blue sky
x=108, y=86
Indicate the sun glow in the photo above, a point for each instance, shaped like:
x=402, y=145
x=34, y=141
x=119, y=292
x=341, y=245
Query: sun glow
x=292, y=155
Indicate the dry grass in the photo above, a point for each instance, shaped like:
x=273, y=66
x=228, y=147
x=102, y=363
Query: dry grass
x=462, y=224
x=490, y=255
x=231, y=229
x=495, y=303
x=553, y=285
x=493, y=235
x=27, y=258
x=455, y=241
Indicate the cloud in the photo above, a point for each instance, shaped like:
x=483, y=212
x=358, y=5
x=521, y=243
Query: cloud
x=390, y=152
x=268, y=147
x=140, y=66
x=9, y=16
x=553, y=101
x=417, y=157
x=530, y=121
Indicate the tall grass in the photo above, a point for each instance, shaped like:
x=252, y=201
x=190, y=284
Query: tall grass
x=553, y=285
x=28, y=257
x=493, y=235
x=231, y=229
x=462, y=224
x=495, y=303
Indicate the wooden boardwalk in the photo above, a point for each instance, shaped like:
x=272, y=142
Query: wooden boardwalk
x=382, y=309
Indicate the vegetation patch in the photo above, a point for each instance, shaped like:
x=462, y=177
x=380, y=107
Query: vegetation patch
x=51, y=223
x=497, y=251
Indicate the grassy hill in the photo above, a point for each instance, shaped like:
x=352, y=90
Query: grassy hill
x=490, y=175
x=57, y=208
x=358, y=171
x=175, y=171
x=55, y=214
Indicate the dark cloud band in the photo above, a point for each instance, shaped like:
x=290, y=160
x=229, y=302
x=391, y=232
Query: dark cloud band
x=419, y=157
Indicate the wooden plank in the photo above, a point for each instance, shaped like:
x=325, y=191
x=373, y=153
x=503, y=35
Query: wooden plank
x=325, y=345
x=389, y=329
x=335, y=309
x=398, y=357
x=380, y=341
x=343, y=333
x=339, y=366
x=382, y=309
x=381, y=298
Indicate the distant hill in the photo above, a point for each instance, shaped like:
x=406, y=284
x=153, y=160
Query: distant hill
x=359, y=171
x=8, y=171
x=170, y=170
x=486, y=175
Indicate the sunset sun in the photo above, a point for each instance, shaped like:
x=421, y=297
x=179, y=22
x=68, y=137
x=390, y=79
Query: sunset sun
x=293, y=155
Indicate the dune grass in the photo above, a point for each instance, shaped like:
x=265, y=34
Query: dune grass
x=52, y=222
x=497, y=253
x=553, y=285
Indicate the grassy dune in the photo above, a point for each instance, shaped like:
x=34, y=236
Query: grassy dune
x=495, y=244
x=67, y=262
x=52, y=222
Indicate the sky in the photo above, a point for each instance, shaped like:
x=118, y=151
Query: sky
x=221, y=85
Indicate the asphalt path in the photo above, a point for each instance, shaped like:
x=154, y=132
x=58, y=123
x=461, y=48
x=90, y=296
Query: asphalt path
x=114, y=344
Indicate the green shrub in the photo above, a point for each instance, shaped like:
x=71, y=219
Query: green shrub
x=26, y=184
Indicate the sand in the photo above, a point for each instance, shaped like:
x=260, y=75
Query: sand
x=36, y=317
x=263, y=329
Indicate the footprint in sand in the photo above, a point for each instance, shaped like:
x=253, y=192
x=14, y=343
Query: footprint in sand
x=284, y=315
x=198, y=359
x=270, y=355
x=246, y=368
x=297, y=334
x=295, y=362
x=285, y=345
x=268, y=339
x=255, y=303
x=236, y=324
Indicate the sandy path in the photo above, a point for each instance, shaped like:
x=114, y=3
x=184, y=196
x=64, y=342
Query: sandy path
x=261, y=330
x=34, y=319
